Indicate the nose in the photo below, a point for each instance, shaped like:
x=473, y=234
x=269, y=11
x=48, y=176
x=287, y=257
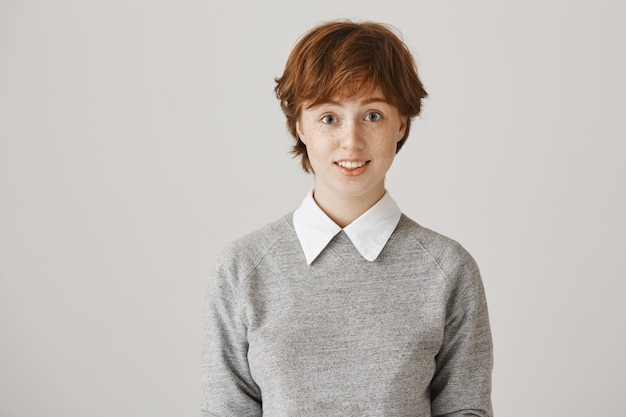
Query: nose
x=352, y=136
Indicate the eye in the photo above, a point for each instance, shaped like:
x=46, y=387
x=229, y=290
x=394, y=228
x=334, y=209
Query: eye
x=328, y=119
x=373, y=116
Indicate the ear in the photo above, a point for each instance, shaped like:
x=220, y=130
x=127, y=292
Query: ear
x=299, y=132
x=402, y=130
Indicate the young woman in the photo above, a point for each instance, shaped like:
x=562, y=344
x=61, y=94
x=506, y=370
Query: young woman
x=346, y=307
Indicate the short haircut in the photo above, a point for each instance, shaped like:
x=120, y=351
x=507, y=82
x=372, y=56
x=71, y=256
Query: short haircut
x=342, y=58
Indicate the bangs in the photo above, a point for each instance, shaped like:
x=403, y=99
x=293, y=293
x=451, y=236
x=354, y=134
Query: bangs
x=342, y=88
x=343, y=64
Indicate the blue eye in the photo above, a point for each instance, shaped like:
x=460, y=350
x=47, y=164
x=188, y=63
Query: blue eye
x=329, y=119
x=373, y=116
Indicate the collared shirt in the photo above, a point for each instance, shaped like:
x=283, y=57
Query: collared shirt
x=368, y=233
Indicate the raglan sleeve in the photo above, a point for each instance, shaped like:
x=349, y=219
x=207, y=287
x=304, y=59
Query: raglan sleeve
x=228, y=388
x=461, y=386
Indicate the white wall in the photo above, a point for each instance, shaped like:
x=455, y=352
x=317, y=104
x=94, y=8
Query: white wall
x=138, y=137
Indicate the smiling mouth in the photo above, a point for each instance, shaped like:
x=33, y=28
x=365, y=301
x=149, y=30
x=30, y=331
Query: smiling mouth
x=352, y=164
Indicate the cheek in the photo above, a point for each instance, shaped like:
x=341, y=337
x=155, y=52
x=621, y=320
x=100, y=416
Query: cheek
x=316, y=151
x=319, y=142
x=388, y=146
x=306, y=131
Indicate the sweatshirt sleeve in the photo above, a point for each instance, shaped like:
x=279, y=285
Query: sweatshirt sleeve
x=228, y=388
x=461, y=385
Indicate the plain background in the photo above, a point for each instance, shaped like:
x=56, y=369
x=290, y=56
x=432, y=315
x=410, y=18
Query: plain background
x=138, y=137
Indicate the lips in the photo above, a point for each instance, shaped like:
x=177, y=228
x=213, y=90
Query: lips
x=352, y=167
x=351, y=164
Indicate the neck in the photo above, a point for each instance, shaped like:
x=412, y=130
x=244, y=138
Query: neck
x=346, y=209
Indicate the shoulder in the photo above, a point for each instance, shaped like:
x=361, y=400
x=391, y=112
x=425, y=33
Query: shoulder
x=449, y=255
x=246, y=252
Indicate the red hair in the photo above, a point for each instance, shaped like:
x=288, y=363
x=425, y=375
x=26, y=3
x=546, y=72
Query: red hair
x=343, y=58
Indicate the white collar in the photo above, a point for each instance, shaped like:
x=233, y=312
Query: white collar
x=369, y=233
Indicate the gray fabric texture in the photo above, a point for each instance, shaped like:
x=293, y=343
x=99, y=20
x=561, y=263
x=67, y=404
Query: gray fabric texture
x=405, y=335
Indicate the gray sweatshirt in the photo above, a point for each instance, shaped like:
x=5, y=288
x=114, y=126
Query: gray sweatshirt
x=405, y=335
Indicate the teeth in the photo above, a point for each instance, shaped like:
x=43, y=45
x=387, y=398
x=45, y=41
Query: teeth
x=351, y=165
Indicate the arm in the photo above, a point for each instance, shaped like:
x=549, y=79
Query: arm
x=462, y=382
x=227, y=386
